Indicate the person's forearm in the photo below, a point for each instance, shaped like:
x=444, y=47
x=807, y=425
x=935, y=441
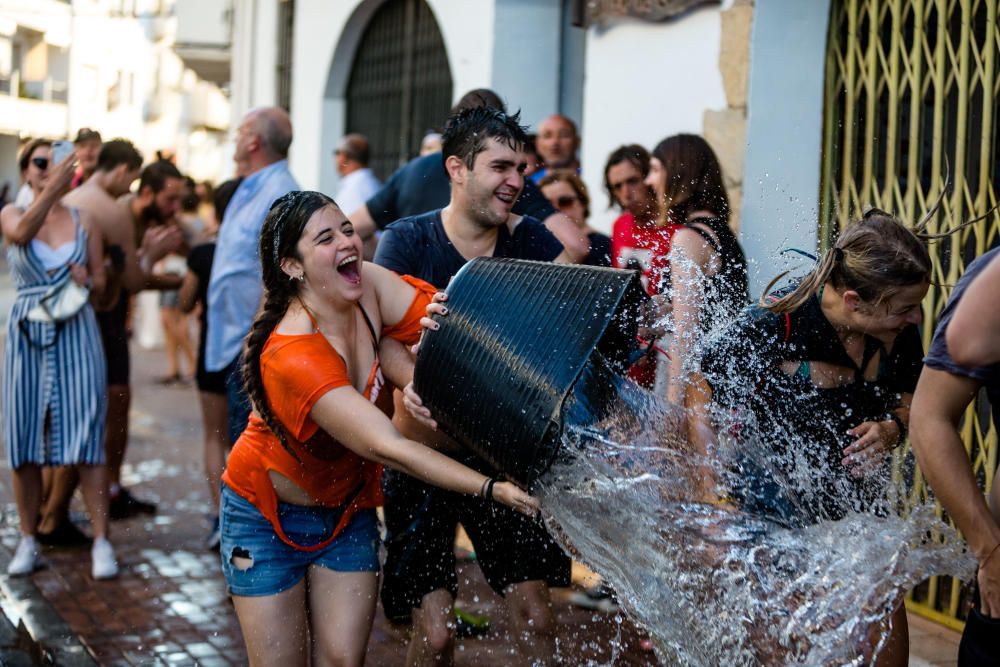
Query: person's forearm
x=363, y=222
x=431, y=466
x=164, y=282
x=33, y=218
x=396, y=362
x=945, y=464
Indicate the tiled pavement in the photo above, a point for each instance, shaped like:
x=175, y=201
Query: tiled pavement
x=169, y=606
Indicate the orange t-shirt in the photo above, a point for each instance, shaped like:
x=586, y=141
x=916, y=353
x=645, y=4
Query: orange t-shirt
x=297, y=370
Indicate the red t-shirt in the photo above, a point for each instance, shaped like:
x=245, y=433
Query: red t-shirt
x=297, y=371
x=645, y=248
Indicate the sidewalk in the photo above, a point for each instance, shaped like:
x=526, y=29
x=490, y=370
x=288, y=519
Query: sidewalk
x=169, y=607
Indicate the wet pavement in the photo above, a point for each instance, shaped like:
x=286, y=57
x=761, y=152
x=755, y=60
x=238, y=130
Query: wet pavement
x=169, y=606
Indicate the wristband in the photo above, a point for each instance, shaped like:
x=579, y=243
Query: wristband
x=892, y=416
x=489, y=488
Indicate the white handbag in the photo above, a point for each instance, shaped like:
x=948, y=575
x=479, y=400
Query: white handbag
x=60, y=303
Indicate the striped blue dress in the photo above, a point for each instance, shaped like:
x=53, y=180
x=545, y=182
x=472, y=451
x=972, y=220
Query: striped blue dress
x=54, y=377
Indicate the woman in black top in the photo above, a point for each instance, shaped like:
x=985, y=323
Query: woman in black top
x=708, y=271
x=818, y=379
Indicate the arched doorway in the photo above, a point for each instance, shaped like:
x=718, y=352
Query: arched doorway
x=400, y=83
x=911, y=109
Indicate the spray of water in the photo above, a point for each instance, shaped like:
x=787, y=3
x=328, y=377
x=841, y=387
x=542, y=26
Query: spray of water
x=715, y=584
x=762, y=550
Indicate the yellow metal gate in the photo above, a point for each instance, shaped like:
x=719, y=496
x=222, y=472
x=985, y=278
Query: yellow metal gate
x=911, y=96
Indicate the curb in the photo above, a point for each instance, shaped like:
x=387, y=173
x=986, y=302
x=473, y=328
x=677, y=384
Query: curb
x=31, y=631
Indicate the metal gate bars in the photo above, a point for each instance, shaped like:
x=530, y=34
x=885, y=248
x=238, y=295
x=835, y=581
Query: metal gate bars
x=910, y=101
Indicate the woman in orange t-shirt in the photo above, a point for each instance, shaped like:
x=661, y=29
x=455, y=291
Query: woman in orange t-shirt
x=299, y=539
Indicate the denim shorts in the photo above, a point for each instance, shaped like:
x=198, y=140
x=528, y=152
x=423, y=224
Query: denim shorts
x=275, y=566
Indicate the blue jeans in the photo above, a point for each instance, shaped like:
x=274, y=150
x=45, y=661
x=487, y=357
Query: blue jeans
x=265, y=565
x=237, y=400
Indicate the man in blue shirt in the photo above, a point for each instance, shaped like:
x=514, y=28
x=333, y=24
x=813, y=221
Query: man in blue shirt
x=485, y=166
x=235, y=286
x=422, y=185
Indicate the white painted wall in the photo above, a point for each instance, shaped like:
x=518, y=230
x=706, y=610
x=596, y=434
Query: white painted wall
x=255, y=54
x=527, y=54
x=326, y=38
x=644, y=82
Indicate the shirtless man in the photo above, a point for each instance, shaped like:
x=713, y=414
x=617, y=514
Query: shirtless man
x=98, y=201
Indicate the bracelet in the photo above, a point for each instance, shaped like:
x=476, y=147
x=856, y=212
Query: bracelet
x=482, y=488
x=989, y=555
x=489, y=488
x=892, y=416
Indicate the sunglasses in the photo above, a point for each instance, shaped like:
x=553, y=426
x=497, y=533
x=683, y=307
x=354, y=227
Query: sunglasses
x=41, y=162
x=566, y=201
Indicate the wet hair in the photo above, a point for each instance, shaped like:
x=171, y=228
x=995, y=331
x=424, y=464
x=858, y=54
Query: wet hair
x=117, y=152
x=466, y=132
x=354, y=147
x=569, y=177
x=694, y=178
x=479, y=97
x=24, y=159
x=279, y=238
x=875, y=256
x=223, y=195
x=635, y=155
x=155, y=175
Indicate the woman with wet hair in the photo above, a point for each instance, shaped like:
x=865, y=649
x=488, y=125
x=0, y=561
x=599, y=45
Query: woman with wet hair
x=299, y=539
x=708, y=271
x=819, y=376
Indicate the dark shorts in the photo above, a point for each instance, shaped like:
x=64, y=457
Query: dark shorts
x=114, y=335
x=210, y=382
x=420, y=523
x=276, y=567
x=237, y=400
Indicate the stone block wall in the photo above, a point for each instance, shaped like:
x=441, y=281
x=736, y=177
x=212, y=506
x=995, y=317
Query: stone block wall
x=725, y=129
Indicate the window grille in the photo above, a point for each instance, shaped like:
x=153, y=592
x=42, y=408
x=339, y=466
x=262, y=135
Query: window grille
x=910, y=100
x=400, y=84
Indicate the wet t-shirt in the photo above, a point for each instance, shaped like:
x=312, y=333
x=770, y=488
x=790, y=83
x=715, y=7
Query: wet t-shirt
x=422, y=185
x=798, y=428
x=938, y=357
x=419, y=246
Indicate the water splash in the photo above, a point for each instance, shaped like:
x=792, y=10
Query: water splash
x=715, y=583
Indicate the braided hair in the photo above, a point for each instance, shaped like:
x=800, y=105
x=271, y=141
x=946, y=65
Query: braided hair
x=279, y=238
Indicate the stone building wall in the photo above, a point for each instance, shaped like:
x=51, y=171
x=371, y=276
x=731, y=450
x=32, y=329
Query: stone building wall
x=725, y=129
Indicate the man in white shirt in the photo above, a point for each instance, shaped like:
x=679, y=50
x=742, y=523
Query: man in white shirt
x=357, y=182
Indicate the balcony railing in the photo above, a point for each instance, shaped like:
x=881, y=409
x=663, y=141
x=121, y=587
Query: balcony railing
x=43, y=90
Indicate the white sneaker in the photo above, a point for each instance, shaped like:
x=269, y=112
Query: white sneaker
x=103, y=556
x=26, y=559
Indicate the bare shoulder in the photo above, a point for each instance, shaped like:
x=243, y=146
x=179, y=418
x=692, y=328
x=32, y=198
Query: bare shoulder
x=373, y=272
